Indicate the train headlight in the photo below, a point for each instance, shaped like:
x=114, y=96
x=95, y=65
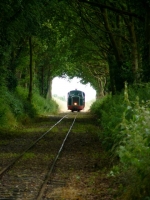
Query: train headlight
x=75, y=103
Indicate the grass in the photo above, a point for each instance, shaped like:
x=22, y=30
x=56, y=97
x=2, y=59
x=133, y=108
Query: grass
x=16, y=110
x=8, y=155
x=28, y=155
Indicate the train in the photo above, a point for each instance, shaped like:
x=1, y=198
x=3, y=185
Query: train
x=76, y=100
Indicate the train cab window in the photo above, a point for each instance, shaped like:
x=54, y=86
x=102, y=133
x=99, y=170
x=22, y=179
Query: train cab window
x=72, y=92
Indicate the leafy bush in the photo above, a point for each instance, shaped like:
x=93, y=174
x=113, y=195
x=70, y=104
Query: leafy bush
x=44, y=106
x=39, y=104
x=125, y=120
x=110, y=111
x=15, y=107
x=97, y=106
x=140, y=90
x=7, y=118
x=135, y=150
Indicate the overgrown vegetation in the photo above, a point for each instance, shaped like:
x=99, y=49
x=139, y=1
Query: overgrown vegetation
x=103, y=42
x=125, y=119
x=16, y=109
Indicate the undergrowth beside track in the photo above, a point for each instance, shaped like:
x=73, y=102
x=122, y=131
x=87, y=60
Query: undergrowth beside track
x=15, y=109
x=125, y=120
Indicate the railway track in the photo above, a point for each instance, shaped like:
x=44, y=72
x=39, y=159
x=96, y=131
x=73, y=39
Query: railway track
x=17, y=182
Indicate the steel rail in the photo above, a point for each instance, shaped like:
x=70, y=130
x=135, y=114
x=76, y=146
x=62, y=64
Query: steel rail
x=51, y=166
x=33, y=144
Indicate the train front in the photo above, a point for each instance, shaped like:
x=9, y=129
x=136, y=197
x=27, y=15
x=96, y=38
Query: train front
x=76, y=100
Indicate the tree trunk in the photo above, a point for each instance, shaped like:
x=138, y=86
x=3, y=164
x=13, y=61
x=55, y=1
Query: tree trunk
x=134, y=52
x=31, y=71
x=146, y=45
x=147, y=27
x=49, y=92
x=111, y=74
x=42, y=78
x=101, y=87
x=147, y=24
x=135, y=56
x=116, y=70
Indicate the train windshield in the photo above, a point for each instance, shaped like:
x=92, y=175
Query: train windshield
x=75, y=92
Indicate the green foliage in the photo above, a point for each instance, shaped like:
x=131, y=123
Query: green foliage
x=97, y=106
x=141, y=90
x=135, y=150
x=65, y=41
x=7, y=118
x=15, y=107
x=28, y=108
x=110, y=110
x=125, y=120
x=44, y=106
x=39, y=104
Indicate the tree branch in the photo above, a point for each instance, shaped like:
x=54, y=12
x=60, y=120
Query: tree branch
x=122, y=12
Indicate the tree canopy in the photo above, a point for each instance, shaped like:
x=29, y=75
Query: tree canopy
x=103, y=43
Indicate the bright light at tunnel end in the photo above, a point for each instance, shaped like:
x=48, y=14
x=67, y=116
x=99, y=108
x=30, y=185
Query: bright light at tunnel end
x=61, y=86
